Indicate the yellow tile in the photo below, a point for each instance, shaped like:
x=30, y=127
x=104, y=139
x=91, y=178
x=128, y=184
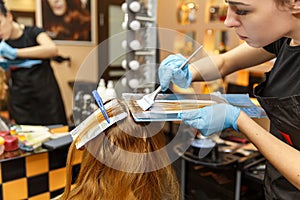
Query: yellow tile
x=57, y=179
x=37, y=164
x=16, y=189
x=43, y=196
x=78, y=157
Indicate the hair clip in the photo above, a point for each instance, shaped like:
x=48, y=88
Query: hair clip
x=100, y=105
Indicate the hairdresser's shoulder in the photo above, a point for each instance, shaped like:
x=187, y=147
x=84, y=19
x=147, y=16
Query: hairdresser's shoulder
x=34, y=30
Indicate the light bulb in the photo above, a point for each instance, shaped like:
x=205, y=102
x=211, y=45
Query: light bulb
x=135, y=45
x=124, y=44
x=135, y=25
x=134, y=65
x=124, y=7
x=124, y=64
x=124, y=81
x=124, y=25
x=135, y=6
x=133, y=83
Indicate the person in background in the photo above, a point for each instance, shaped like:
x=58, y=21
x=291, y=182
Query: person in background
x=67, y=19
x=34, y=94
x=119, y=165
x=270, y=29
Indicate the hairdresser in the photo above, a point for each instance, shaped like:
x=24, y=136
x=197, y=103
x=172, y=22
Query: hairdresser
x=25, y=51
x=279, y=94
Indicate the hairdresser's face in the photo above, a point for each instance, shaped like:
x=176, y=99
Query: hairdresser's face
x=5, y=26
x=259, y=22
x=59, y=7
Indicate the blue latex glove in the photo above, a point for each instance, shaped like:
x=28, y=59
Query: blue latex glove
x=27, y=63
x=169, y=72
x=5, y=64
x=7, y=51
x=212, y=119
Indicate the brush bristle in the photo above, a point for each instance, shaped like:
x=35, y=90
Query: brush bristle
x=145, y=103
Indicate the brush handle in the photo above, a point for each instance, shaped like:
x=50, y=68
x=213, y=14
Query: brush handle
x=191, y=56
x=158, y=89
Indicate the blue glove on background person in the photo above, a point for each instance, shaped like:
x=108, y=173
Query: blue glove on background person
x=169, y=71
x=5, y=64
x=212, y=119
x=7, y=51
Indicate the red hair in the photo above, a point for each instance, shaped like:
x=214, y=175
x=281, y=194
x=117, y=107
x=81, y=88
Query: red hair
x=99, y=181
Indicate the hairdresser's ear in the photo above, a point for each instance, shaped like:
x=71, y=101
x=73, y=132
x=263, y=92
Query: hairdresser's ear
x=296, y=7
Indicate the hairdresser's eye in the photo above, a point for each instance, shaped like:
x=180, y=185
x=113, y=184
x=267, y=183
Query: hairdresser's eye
x=241, y=12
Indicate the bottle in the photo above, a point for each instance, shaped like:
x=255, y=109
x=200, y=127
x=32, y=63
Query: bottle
x=101, y=88
x=110, y=91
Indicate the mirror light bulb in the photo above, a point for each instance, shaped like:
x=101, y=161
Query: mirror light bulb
x=135, y=25
x=124, y=25
x=135, y=45
x=133, y=83
x=124, y=7
x=124, y=64
x=134, y=65
x=135, y=6
x=124, y=44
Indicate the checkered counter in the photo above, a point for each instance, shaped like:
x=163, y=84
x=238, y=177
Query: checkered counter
x=38, y=176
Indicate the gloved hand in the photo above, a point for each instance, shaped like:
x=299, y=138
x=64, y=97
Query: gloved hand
x=212, y=119
x=169, y=71
x=7, y=51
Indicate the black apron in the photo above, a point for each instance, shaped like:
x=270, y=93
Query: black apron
x=284, y=115
x=35, y=97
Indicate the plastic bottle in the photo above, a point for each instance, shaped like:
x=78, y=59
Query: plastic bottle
x=101, y=88
x=110, y=91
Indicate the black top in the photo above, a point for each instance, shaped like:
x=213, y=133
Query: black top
x=284, y=76
x=279, y=95
x=34, y=94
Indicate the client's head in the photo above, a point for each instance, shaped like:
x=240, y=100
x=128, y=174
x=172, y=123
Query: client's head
x=125, y=161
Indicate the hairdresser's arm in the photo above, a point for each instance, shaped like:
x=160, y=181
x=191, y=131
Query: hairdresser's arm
x=241, y=57
x=284, y=158
x=45, y=49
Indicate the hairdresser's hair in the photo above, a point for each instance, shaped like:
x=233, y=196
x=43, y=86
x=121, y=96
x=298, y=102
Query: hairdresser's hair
x=3, y=9
x=100, y=182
